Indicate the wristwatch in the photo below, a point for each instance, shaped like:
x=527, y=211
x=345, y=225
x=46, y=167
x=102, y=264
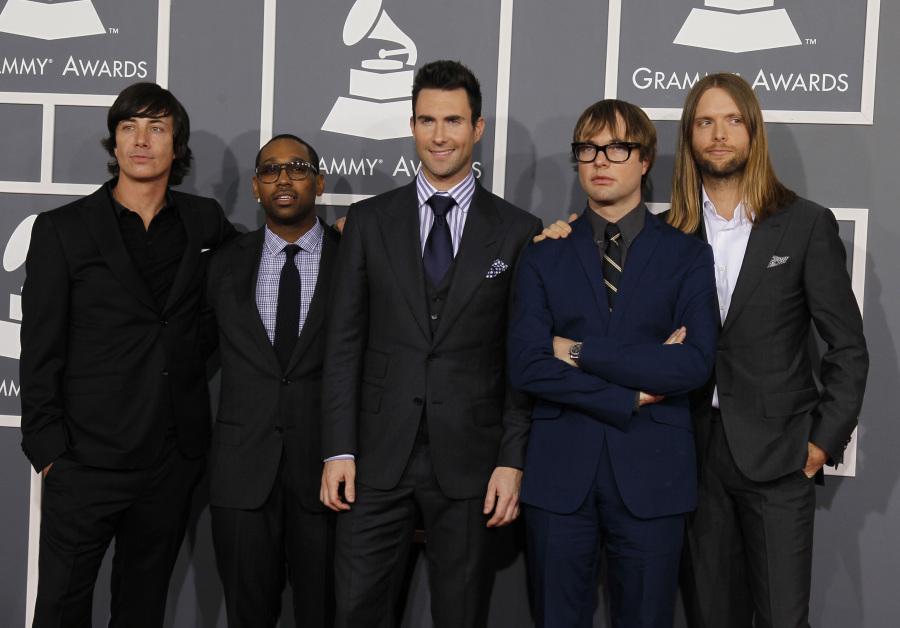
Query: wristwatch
x=575, y=353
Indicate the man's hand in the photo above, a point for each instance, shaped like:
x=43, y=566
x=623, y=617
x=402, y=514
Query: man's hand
x=678, y=336
x=334, y=474
x=648, y=398
x=557, y=230
x=46, y=470
x=815, y=459
x=339, y=224
x=503, y=496
x=561, y=349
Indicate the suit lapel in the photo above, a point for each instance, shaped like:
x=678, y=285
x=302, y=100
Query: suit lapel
x=244, y=270
x=582, y=239
x=477, y=249
x=400, y=233
x=316, y=315
x=639, y=254
x=763, y=242
x=100, y=218
x=191, y=257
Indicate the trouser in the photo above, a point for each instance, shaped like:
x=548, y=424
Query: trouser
x=83, y=509
x=749, y=546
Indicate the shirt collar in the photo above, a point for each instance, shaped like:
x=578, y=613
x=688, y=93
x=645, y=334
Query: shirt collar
x=310, y=241
x=630, y=224
x=462, y=192
x=740, y=217
x=121, y=209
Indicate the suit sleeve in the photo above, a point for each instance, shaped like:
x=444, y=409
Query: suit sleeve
x=44, y=337
x=346, y=336
x=674, y=369
x=534, y=369
x=517, y=404
x=835, y=313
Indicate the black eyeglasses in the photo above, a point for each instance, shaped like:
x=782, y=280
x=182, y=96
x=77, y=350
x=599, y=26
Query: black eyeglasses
x=296, y=171
x=616, y=152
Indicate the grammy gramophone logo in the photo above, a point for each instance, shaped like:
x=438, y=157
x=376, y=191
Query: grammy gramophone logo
x=13, y=259
x=379, y=104
x=738, y=26
x=46, y=19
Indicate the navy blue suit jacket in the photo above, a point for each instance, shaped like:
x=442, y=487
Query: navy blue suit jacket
x=667, y=282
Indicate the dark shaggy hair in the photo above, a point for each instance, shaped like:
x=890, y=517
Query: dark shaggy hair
x=149, y=100
x=448, y=75
x=313, y=155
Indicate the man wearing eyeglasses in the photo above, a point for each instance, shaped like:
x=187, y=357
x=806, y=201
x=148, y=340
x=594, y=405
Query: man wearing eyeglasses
x=611, y=328
x=269, y=290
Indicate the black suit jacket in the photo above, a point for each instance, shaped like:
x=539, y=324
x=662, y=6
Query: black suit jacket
x=265, y=412
x=793, y=274
x=383, y=367
x=101, y=361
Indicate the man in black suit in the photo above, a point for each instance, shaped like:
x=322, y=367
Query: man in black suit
x=417, y=411
x=115, y=405
x=269, y=290
x=764, y=428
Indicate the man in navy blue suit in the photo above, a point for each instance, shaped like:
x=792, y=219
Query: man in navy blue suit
x=611, y=329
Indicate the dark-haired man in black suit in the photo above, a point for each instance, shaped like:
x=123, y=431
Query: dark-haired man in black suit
x=417, y=410
x=115, y=405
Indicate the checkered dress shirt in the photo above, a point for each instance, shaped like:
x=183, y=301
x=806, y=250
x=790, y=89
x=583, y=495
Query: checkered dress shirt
x=269, y=276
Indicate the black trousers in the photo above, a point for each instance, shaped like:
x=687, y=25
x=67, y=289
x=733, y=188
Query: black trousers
x=373, y=543
x=748, y=555
x=258, y=550
x=83, y=509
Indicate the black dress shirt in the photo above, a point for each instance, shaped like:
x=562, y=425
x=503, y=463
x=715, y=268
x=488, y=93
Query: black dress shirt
x=157, y=250
x=630, y=225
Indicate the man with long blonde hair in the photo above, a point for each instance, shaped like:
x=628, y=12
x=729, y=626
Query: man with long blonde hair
x=764, y=429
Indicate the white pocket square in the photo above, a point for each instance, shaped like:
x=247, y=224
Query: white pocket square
x=777, y=260
x=498, y=266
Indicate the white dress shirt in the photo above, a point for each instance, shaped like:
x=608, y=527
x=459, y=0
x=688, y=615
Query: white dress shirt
x=728, y=239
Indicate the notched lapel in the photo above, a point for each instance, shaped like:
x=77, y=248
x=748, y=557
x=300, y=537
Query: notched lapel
x=244, y=269
x=400, y=234
x=639, y=254
x=763, y=242
x=582, y=239
x=316, y=315
x=100, y=218
x=189, y=261
x=477, y=249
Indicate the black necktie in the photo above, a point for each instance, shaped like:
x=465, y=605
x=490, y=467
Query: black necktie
x=287, y=317
x=439, y=246
x=612, y=262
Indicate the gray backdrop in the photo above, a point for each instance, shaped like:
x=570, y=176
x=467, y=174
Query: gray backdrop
x=246, y=70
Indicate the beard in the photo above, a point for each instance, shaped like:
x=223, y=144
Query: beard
x=727, y=170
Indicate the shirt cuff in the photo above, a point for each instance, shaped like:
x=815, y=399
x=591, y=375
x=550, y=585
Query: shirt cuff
x=341, y=457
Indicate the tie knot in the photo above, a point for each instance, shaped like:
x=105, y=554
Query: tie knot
x=613, y=233
x=291, y=251
x=440, y=205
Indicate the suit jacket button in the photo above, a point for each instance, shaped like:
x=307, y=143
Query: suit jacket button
x=285, y=381
x=418, y=401
x=164, y=322
x=164, y=373
x=434, y=317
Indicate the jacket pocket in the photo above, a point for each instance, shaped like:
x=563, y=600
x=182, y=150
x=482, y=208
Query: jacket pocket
x=783, y=404
x=678, y=416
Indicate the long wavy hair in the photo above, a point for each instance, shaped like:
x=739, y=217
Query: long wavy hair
x=761, y=191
